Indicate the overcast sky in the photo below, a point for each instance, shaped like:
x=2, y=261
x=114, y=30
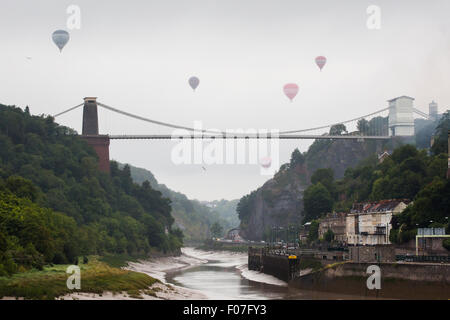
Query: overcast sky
x=138, y=56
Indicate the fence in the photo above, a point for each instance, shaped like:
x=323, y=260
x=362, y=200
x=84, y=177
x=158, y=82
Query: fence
x=406, y=258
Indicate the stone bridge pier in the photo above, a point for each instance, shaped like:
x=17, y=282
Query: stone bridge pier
x=100, y=143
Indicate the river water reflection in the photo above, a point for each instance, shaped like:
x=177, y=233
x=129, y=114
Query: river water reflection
x=225, y=277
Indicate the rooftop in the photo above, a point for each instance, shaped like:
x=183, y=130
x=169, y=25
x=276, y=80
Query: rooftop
x=407, y=97
x=378, y=206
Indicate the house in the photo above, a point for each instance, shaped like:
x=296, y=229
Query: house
x=369, y=223
x=233, y=234
x=335, y=222
x=304, y=231
x=383, y=156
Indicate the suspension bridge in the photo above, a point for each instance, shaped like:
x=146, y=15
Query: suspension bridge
x=400, y=122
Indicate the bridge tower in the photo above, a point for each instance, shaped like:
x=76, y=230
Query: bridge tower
x=100, y=143
x=401, y=120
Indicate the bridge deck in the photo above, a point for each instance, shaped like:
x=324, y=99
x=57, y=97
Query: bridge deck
x=199, y=136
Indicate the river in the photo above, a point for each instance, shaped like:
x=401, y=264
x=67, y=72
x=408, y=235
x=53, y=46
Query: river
x=224, y=276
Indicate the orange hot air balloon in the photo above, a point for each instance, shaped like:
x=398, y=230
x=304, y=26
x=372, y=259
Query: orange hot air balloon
x=290, y=90
x=321, y=61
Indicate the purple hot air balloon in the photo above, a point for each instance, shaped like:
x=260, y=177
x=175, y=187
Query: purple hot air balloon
x=194, y=82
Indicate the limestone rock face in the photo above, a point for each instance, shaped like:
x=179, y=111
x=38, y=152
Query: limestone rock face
x=279, y=202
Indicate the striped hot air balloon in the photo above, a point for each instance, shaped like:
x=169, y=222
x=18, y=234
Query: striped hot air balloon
x=290, y=90
x=60, y=38
x=321, y=61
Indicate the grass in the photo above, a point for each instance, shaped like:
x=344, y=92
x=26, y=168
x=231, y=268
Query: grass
x=120, y=260
x=313, y=264
x=96, y=277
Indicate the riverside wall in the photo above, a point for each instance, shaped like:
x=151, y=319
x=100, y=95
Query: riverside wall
x=398, y=280
x=279, y=266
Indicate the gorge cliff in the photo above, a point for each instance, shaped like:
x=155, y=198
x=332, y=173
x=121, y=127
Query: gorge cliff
x=279, y=202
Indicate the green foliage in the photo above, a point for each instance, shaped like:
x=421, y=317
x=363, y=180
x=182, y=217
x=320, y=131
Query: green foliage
x=328, y=236
x=56, y=205
x=313, y=233
x=216, y=230
x=195, y=218
x=326, y=178
x=309, y=263
x=446, y=244
x=407, y=174
x=424, y=131
x=317, y=201
x=32, y=236
x=402, y=175
x=297, y=158
x=50, y=282
x=377, y=126
x=430, y=209
x=441, y=135
x=245, y=207
x=338, y=129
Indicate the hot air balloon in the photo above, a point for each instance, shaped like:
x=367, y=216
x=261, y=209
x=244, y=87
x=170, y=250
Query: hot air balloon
x=291, y=90
x=194, y=82
x=321, y=61
x=266, y=162
x=60, y=38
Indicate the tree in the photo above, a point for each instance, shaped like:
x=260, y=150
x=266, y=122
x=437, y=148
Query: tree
x=297, y=158
x=363, y=126
x=329, y=236
x=21, y=187
x=216, y=230
x=326, y=178
x=313, y=233
x=317, y=201
x=446, y=244
x=441, y=135
x=404, y=152
x=44, y=165
x=338, y=129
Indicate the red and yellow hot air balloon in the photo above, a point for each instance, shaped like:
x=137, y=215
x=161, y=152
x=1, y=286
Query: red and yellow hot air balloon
x=290, y=90
x=321, y=61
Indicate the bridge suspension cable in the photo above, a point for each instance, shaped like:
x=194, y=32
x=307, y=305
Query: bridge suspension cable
x=421, y=113
x=330, y=125
x=68, y=110
x=216, y=132
x=157, y=122
x=174, y=126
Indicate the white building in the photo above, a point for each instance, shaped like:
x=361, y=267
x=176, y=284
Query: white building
x=433, y=110
x=401, y=119
x=370, y=223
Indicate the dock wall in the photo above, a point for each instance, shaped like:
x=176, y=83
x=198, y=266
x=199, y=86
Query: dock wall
x=398, y=280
